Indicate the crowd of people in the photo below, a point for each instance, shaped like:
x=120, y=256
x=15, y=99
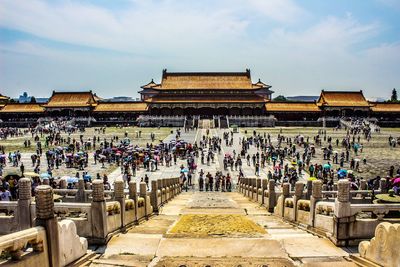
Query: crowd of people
x=283, y=158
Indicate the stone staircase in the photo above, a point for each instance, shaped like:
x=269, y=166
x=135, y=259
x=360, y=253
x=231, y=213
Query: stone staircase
x=206, y=124
x=152, y=243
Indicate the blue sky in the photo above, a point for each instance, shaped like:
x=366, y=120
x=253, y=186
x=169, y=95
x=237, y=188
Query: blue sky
x=114, y=47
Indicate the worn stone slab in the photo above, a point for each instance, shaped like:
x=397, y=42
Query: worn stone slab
x=123, y=260
x=221, y=262
x=212, y=211
x=311, y=247
x=221, y=247
x=136, y=244
x=211, y=200
x=156, y=225
x=327, y=262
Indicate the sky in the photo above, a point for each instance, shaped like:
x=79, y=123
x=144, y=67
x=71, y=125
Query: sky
x=114, y=47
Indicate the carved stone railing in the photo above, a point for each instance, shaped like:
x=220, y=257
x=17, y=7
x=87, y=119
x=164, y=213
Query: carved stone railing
x=345, y=216
x=16, y=243
x=379, y=210
x=101, y=214
x=383, y=249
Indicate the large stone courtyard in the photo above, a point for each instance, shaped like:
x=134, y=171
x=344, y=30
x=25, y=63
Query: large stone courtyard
x=138, y=136
x=379, y=155
x=377, y=152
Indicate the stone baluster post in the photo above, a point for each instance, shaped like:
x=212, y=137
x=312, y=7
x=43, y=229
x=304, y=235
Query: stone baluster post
x=133, y=195
x=171, y=187
x=342, y=219
x=258, y=186
x=119, y=196
x=159, y=184
x=24, y=215
x=80, y=194
x=177, y=185
x=45, y=218
x=99, y=213
x=363, y=184
x=264, y=187
x=63, y=184
x=285, y=194
x=309, y=189
x=315, y=197
x=271, y=196
x=165, y=184
x=250, y=190
x=255, y=189
x=178, y=189
x=383, y=186
x=164, y=189
x=298, y=193
x=154, y=197
x=143, y=194
x=251, y=184
x=167, y=189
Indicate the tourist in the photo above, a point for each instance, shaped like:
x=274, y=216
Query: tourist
x=5, y=195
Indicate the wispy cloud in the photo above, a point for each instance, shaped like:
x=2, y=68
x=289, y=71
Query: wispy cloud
x=279, y=10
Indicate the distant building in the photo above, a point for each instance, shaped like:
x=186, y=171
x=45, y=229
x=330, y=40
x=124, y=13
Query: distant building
x=206, y=93
x=24, y=98
x=119, y=99
x=223, y=96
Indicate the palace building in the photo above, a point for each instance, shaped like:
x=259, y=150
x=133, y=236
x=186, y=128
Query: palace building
x=206, y=94
x=186, y=97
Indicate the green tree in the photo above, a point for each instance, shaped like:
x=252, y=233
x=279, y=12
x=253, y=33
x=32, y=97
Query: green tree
x=280, y=98
x=33, y=99
x=394, y=96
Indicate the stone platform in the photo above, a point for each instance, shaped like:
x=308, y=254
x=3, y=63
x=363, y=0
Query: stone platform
x=150, y=243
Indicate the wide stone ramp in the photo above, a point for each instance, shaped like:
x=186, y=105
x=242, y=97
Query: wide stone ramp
x=164, y=240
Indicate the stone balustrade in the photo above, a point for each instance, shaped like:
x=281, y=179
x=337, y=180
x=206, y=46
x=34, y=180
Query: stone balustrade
x=16, y=243
x=100, y=214
x=49, y=243
x=345, y=216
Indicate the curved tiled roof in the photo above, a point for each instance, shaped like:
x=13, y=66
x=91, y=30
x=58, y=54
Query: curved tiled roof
x=342, y=99
x=3, y=97
x=385, y=107
x=22, y=108
x=206, y=80
x=292, y=107
x=71, y=99
x=121, y=107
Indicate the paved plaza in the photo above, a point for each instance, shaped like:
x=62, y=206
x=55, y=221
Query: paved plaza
x=378, y=154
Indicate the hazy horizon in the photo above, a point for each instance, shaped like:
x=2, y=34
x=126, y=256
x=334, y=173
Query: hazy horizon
x=114, y=47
